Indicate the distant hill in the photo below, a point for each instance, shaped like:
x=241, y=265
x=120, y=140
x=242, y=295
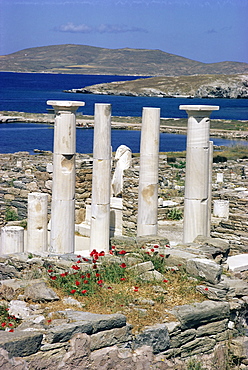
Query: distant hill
x=83, y=59
x=197, y=86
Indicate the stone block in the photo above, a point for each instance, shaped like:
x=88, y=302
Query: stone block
x=40, y=292
x=212, y=328
x=20, y=343
x=156, y=336
x=65, y=332
x=99, y=322
x=204, y=268
x=182, y=338
x=141, y=268
x=111, y=337
x=197, y=346
x=192, y=316
x=151, y=276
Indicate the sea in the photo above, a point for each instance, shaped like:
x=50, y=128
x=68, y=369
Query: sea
x=29, y=92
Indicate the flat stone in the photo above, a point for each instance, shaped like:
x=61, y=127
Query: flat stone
x=238, y=263
x=237, y=287
x=141, y=268
x=65, y=332
x=197, y=346
x=191, y=316
x=20, y=343
x=19, y=309
x=152, y=276
x=182, y=338
x=212, y=292
x=204, y=268
x=212, y=328
x=40, y=292
x=110, y=337
x=99, y=322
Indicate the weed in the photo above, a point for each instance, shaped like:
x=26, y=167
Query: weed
x=7, y=322
x=175, y=214
x=10, y=214
x=194, y=364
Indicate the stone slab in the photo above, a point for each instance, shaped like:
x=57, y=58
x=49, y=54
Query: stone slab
x=238, y=263
x=20, y=343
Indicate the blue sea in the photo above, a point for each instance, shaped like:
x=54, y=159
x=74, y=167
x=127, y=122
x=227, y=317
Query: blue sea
x=29, y=92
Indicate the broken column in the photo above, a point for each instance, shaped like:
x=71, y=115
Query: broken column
x=101, y=179
x=37, y=222
x=12, y=239
x=147, y=223
x=196, y=197
x=63, y=190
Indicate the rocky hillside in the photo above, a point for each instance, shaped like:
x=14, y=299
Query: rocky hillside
x=83, y=59
x=197, y=86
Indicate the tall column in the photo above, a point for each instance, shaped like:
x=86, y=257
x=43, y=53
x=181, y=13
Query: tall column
x=12, y=239
x=101, y=179
x=147, y=223
x=63, y=190
x=196, y=197
x=37, y=222
x=210, y=169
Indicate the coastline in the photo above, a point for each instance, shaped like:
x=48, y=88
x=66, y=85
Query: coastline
x=168, y=125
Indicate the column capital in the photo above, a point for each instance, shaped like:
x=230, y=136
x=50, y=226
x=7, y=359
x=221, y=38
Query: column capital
x=66, y=105
x=199, y=108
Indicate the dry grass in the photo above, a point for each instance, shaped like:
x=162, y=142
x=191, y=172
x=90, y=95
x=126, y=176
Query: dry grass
x=178, y=289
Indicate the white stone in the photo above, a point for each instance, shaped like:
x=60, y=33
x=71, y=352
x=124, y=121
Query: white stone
x=37, y=235
x=238, y=263
x=221, y=209
x=123, y=158
x=198, y=172
x=219, y=177
x=101, y=179
x=19, y=309
x=12, y=238
x=49, y=167
x=147, y=223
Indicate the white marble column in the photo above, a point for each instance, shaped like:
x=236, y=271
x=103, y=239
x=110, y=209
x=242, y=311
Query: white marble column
x=101, y=179
x=12, y=239
x=147, y=223
x=63, y=190
x=196, y=197
x=37, y=222
x=210, y=178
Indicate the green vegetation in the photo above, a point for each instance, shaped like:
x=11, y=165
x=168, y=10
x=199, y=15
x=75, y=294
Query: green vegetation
x=10, y=214
x=175, y=214
x=7, y=321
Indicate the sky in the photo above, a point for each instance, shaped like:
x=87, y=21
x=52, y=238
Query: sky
x=207, y=31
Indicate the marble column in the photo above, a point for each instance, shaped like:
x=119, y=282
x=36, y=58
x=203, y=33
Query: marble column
x=37, y=222
x=101, y=179
x=196, y=197
x=12, y=238
x=210, y=180
x=147, y=223
x=63, y=190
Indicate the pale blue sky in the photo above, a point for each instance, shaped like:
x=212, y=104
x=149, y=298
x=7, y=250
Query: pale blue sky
x=206, y=31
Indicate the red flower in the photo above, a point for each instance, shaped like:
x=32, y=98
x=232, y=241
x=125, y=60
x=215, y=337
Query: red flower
x=161, y=255
x=75, y=267
x=123, y=279
x=152, y=250
x=156, y=246
x=167, y=246
x=110, y=252
x=85, y=281
x=100, y=282
x=49, y=320
x=179, y=265
x=102, y=253
x=77, y=283
x=10, y=324
x=79, y=261
x=73, y=291
x=64, y=274
x=123, y=265
x=135, y=289
x=122, y=252
x=97, y=274
x=109, y=287
x=49, y=270
x=147, y=252
x=79, y=256
x=113, y=247
x=11, y=330
x=82, y=276
x=53, y=277
x=88, y=275
x=94, y=267
x=84, y=291
x=206, y=288
x=165, y=281
x=85, y=259
x=3, y=324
